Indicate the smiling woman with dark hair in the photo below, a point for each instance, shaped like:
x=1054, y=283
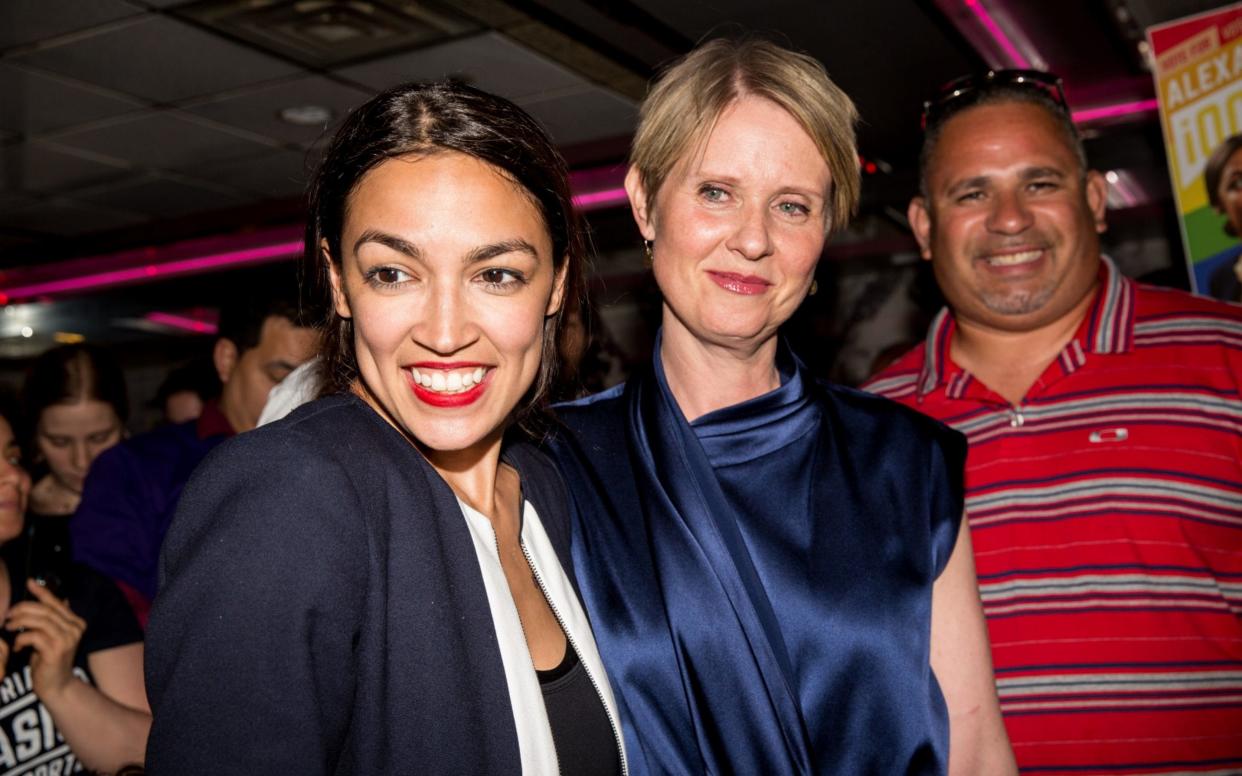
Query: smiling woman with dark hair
x=379, y=582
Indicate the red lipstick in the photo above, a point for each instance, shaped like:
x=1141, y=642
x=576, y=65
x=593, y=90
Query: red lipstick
x=747, y=285
x=450, y=399
x=441, y=399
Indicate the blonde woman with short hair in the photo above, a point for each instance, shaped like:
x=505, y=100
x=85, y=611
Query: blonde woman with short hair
x=776, y=570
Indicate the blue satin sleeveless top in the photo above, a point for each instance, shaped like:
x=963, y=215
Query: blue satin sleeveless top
x=759, y=582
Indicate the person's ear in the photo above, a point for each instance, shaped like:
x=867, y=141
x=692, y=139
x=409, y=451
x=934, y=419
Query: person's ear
x=920, y=224
x=339, y=299
x=637, y=192
x=224, y=356
x=557, y=299
x=1097, y=199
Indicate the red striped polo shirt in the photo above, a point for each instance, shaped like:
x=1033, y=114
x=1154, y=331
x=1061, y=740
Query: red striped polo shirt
x=1106, y=514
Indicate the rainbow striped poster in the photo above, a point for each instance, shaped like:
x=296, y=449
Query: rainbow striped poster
x=1197, y=64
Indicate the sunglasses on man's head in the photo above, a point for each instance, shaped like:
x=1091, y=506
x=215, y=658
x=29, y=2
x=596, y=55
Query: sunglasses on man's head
x=967, y=89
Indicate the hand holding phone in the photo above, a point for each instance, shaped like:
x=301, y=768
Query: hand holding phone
x=49, y=627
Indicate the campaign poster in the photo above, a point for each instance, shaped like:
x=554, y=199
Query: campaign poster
x=1197, y=65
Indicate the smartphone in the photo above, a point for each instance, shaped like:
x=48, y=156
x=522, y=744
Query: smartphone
x=47, y=554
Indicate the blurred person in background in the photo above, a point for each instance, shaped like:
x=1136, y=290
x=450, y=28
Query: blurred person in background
x=75, y=401
x=75, y=404
x=186, y=390
x=72, y=690
x=133, y=488
x=591, y=360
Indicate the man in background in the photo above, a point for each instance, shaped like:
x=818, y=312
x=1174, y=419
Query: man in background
x=132, y=490
x=1104, y=481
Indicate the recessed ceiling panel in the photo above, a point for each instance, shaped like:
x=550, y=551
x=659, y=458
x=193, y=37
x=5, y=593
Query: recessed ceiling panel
x=65, y=218
x=275, y=174
x=26, y=21
x=259, y=110
x=159, y=59
x=12, y=199
x=491, y=62
x=322, y=34
x=33, y=102
x=162, y=140
x=41, y=167
x=160, y=197
x=590, y=114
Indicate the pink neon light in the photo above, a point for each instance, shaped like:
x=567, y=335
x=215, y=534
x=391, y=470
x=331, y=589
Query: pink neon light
x=597, y=199
x=998, y=34
x=1112, y=111
x=169, y=269
x=145, y=264
x=183, y=322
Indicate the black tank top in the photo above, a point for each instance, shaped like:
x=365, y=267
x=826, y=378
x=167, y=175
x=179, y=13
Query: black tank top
x=583, y=735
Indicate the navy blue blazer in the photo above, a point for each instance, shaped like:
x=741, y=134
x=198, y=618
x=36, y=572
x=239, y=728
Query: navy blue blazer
x=322, y=611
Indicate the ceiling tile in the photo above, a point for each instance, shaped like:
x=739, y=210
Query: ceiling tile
x=160, y=197
x=278, y=174
x=32, y=102
x=63, y=217
x=164, y=140
x=41, y=167
x=491, y=62
x=27, y=21
x=590, y=114
x=257, y=110
x=13, y=199
x=177, y=61
x=323, y=34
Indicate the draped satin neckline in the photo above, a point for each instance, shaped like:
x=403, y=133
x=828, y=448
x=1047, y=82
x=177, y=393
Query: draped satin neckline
x=760, y=426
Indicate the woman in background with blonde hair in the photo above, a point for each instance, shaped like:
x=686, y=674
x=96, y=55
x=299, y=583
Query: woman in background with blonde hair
x=775, y=569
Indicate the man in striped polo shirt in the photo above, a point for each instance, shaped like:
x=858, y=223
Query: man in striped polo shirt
x=1104, y=478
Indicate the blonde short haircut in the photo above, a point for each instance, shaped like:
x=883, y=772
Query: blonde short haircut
x=685, y=102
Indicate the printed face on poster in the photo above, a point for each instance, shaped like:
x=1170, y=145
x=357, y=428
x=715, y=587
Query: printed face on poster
x=1198, y=73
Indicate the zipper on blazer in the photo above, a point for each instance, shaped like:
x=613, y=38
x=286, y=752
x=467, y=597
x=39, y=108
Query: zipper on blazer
x=569, y=637
x=522, y=627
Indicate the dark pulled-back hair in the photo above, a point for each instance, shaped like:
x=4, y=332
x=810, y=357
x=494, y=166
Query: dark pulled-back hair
x=424, y=119
x=69, y=374
x=242, y=316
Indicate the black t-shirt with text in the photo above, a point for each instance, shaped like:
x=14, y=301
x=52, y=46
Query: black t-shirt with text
x=30, y=745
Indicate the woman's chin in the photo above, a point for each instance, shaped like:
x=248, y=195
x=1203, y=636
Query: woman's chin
x=69, y=484
x=12, y=519
x=734, y=333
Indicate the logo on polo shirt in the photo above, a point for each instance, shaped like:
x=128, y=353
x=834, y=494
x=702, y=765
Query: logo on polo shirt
x=1109, y=435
